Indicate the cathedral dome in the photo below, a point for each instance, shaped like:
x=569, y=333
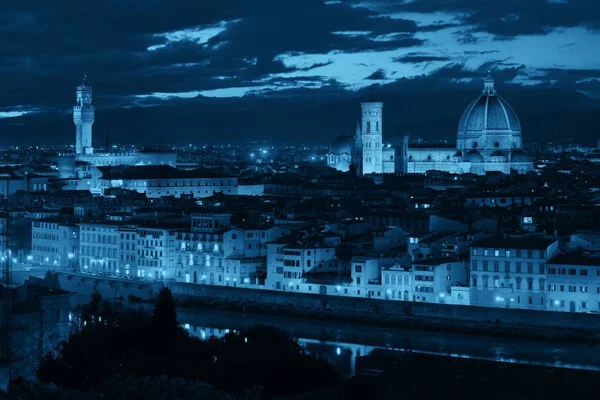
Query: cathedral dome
x=489, y=123
x=519, y=156
x=342, y=145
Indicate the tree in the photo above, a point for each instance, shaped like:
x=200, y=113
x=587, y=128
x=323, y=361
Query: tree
x=163, y=323
x=98, y=313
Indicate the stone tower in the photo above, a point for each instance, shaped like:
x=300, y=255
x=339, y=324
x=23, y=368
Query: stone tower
x=372, y=137
x=357, y=149
x=83, y=117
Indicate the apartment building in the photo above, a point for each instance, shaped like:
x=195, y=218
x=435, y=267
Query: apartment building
x=573, y=283
x=55, y=242
x=511, y=271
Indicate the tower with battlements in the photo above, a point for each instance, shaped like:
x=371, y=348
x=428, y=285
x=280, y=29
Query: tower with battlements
x=83, y=117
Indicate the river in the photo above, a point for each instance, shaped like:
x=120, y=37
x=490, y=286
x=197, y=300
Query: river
x=341, y=343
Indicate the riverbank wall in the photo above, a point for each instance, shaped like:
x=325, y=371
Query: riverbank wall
x=323, y=306
x=386, y=309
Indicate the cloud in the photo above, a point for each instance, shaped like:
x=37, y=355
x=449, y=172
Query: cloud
x=507, y=18
x=377, y=75
x=417, y=58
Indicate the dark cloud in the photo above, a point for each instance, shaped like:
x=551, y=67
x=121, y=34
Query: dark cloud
x=377, y=75
x=507, y=18
x=59, y=41
x=416, y=58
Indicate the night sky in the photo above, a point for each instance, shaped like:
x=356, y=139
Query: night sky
x=202, y=71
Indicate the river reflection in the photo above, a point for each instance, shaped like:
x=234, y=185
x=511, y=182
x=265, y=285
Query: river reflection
x=341, y=344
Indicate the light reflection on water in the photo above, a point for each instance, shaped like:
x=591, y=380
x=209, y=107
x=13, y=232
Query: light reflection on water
x=343, y=355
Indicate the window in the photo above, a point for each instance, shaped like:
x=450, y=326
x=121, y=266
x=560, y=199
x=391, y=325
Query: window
x=572, y=271
x=496, y=253
x=583, y=289
x=475, y=281
x=583, y=272
x=485, y=265
x=551, y=271
x=358, y=280
x=507, y=253
x=584, y=304
x=358, y=269
x=473, y=265
x=496, y=266
x=542, y=268
x=530, y=285
x=485, y=252
x=530, y=268
x=518, y=267
x=530, y=300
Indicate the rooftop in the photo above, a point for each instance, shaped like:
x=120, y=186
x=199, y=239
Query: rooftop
x=155, y=172
x=579, y=259
x=514, y=243
x=435, y=261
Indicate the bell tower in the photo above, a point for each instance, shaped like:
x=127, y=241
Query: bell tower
x=372, y=137
x=83, y=117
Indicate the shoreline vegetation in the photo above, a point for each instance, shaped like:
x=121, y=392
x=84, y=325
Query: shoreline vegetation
x=488, y=328
x=119, y=351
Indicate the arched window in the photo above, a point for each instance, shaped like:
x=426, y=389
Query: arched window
x=387, y=279
x=368, y=126
x=406, y=280
x=377, y=126
x=393, y=279
x=485, y=281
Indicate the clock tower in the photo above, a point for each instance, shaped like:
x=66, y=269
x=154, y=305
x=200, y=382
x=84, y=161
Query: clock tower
x=372, y=137
x=83, y=117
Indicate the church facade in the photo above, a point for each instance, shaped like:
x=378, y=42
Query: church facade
x=488, y=139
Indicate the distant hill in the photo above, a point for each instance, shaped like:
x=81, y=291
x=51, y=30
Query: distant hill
x=543, y=113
